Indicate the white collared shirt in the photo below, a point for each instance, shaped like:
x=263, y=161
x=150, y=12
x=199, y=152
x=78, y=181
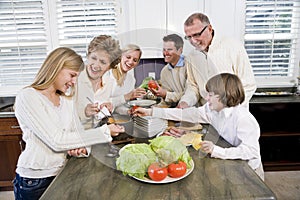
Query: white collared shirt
x=236, y=125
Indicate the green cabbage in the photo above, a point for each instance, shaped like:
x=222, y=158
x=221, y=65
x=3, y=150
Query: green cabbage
x=135, y=159
x=170, y=149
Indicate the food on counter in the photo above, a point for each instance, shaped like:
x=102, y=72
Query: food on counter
x=169, y=150
x=185, y=137
x=177, y=169
x=189, y=137
x=111, y=120
x=133, y=108
x=145, y=82
x=157, y=172
x=118, y=120
x=152, y=85
x=191, y=128
x=150, y=95
x=135, y=159
x=196, y=141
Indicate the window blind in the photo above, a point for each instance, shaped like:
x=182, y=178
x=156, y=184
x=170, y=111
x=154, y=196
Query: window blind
x=79, y=21
x=271, y=37
x=30, y=29
x=23, y=42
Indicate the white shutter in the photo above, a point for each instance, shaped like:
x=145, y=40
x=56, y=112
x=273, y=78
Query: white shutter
x=30, y=29
x=271, y=37
x=23, y=42
x=79, y=21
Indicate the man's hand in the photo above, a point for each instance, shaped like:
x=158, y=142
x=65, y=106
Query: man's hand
x=182, y=104
x=160, y=92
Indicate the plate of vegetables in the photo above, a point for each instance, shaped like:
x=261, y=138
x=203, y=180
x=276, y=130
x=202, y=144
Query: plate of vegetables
x=173, y=172
x=165, y=159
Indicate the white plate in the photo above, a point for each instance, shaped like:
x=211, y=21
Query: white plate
x=142, y=102
x=168, y=179
x=149, y=133
x=151, y=129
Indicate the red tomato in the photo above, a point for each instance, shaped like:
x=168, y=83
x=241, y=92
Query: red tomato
x=157, y=172
x=152, y=85
x=133, y=108
x=176, y=170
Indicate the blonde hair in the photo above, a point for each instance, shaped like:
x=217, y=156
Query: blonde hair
x=57, y=60
x=108, y=44
x=118, y=73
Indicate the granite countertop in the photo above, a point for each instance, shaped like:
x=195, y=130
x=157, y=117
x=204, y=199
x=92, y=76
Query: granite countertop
x=95, y=177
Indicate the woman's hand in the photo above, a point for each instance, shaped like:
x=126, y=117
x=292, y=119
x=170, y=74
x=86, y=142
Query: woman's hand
x=142, y=112
x=108, y=105
x=77, y=152
x=116, y=129
x=207, y=146
x=136, y=93
x=91, y=109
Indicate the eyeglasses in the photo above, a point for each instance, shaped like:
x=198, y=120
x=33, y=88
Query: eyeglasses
x=196, y=35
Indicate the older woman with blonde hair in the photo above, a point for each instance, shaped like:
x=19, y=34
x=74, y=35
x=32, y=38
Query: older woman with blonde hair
x=94, y=88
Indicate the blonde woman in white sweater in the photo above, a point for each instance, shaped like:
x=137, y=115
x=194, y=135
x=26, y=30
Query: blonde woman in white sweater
x=123, y=80
x=50, y=124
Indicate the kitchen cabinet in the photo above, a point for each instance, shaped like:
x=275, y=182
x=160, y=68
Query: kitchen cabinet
x=278, y=118
x=144, y=22
x=11, y=146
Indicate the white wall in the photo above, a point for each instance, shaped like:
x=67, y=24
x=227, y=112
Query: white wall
x=145, y=22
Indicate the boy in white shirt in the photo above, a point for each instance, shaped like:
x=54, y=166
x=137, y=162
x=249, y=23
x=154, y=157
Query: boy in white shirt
x=225, y=113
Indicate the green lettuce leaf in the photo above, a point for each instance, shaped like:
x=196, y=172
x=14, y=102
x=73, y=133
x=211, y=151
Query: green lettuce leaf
x=135, y=159
x=145, y=82
x=170, y=149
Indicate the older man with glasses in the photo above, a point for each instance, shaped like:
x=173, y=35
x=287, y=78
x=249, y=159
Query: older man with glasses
x=213, y=54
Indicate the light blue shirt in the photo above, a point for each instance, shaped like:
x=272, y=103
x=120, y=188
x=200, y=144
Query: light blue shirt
x=180, y=62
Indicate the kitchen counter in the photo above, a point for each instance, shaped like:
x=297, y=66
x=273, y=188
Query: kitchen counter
x=275, y=99
x=6, y=114
x=95, y=177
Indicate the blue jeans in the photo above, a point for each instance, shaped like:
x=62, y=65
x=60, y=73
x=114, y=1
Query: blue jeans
x=30, y=188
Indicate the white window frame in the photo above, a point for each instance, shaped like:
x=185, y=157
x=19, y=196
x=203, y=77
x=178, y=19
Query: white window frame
x=280, y=81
